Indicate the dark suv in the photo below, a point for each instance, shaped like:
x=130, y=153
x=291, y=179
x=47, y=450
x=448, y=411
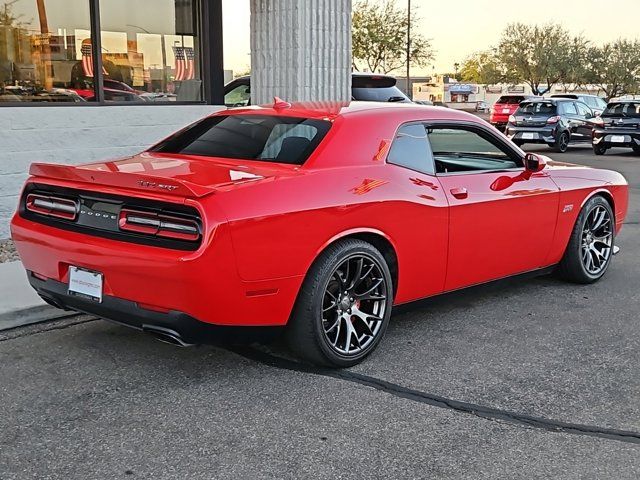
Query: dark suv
x=619, y=126
x=364, y=86
x=555, y=122
x=594, y=102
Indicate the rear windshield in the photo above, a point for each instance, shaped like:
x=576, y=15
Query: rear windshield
x=392, y=94
x=249, y=137
x=537, y=108
x=511, y=99
x=627, y=109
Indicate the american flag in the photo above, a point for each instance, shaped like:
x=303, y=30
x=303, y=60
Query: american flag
x=185, y=63
x=87, y=61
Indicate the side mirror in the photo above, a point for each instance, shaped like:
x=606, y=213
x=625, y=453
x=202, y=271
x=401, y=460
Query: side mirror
x=534, y=163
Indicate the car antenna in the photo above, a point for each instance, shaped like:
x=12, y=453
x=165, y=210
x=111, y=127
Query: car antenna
x=279, y=104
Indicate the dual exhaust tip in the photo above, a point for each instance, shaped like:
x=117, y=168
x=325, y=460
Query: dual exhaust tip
x=166, y=335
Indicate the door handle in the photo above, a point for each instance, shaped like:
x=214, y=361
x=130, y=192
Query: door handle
x=460, y=193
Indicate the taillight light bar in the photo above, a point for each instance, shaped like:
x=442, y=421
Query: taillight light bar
x=52, y=206
x=160, y=225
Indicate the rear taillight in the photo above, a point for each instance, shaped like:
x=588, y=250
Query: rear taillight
x=552, y=120
x=512, y=119
x=598, y=122
x=52, y=206
x=160, y=225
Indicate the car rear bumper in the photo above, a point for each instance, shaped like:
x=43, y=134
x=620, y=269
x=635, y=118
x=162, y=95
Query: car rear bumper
x=203, y=285
x=545, y=135
x=604, y=138
x=174, y=325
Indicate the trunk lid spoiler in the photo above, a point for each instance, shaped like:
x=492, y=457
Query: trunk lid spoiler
x=119, y=179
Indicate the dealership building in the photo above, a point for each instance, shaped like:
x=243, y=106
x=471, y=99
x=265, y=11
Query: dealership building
x=86, y=80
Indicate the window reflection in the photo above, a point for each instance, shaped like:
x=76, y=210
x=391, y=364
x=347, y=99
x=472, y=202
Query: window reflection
x=40, y=46
x=150, y=50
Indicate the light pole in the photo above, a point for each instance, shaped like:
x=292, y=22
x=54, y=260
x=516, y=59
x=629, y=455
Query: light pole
x=409, y=89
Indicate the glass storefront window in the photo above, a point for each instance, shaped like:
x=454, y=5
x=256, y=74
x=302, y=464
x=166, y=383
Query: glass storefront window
x=41, y=48
x=150, y=50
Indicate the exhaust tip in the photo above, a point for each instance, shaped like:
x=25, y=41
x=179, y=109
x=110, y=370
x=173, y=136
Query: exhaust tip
x=166, y=335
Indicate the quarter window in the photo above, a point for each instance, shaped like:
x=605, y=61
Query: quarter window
x=410, y=149
x=462, y=150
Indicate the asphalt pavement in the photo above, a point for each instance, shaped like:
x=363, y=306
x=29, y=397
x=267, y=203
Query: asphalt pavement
x=521, y=379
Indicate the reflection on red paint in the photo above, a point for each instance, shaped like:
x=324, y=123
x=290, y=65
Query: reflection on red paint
x=367, y=185
x=525, y=193
x=427, y=197
x=382, y=150
x=424, y=183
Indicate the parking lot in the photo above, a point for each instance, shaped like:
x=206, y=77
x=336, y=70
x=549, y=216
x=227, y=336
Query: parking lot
x=520, y=379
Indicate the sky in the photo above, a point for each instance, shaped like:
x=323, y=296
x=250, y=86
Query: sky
x=458, y=28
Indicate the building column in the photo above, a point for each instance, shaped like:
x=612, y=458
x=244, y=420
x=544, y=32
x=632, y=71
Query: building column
x=300, y=50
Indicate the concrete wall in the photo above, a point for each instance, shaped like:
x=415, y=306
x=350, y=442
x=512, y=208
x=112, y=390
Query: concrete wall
x=74, y=135
x=300, y=50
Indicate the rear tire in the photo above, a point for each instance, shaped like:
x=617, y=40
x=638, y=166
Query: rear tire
x=562, y=143
x=599, y=149
x=343, y=308
x=590, y=247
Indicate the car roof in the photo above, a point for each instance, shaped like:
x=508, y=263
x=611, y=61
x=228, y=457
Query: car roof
x=245, y=78
x=332, y=110
x=553, y=100
x=573, y=95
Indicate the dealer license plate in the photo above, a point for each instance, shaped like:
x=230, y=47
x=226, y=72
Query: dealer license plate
x=505, y=110
x=85, y=283
x=617, y=138
x=529, y=135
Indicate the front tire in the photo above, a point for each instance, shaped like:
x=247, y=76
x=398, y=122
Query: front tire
x=590, y=248
x=344, y=306
x=636, y=149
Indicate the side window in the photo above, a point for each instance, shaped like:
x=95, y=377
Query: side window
x=567, y=108
x=410, y=149
x=583, y=110
x=463, y=150
x=238, y=97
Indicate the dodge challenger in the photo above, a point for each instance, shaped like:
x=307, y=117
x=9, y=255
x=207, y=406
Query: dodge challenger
x=317, y=218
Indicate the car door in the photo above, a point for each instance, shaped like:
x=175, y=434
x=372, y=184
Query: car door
x=585, y=114
x=424, y=219
x=501, y=218
x=569, y=111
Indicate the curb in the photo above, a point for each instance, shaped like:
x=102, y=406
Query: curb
x=30, y=316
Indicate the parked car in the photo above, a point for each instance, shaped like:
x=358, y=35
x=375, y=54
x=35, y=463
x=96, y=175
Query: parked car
x=556, y=122
x=619, y=126
x=440, y=104
x=364, y=86
x=308, y=218
x=594, y=102
x=504, y=107
x=482, y=106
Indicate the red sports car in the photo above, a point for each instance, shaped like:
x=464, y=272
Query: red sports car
x=317, y=218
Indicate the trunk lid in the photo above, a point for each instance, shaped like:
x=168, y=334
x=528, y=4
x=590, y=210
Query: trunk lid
x=179, y=175
x=621, y=123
